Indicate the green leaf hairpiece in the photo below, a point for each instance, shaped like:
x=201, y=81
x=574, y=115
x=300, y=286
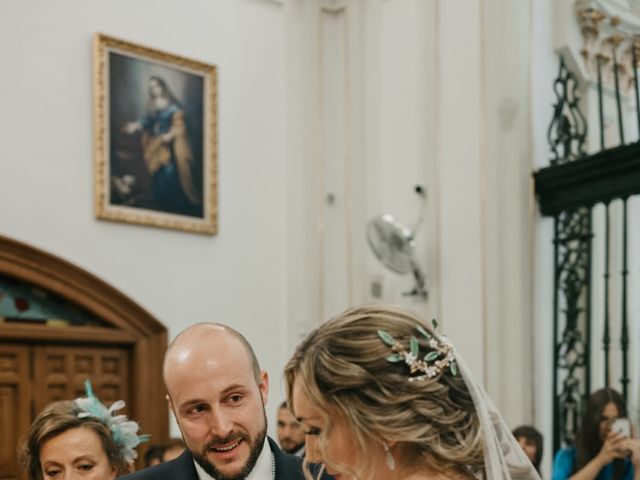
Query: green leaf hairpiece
x=386, y=338
x=393, y=358
x=423, y=332
x=436, y=360
x=431, y=356
x=413, y=345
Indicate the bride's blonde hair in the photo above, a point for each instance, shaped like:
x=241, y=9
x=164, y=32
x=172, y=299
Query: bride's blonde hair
x=343, y=370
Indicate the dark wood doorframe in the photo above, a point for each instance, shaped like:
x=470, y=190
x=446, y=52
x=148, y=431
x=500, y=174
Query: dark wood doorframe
x=132, y=325
x=15, y=405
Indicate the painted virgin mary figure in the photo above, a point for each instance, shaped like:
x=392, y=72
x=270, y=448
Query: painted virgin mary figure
x=167, y=151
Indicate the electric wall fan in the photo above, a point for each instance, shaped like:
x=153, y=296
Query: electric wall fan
x=394, y=245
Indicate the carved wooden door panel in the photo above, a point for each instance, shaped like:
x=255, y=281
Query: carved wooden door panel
x=32, y=376
x=15, y=415
x=60, y=372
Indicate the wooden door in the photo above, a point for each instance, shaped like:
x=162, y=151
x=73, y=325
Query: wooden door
x=15, y=414
x=60, y=372
x=32, y=376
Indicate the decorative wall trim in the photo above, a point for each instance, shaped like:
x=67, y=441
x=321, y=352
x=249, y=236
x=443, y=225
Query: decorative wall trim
x=336, y=9
x=608, y=33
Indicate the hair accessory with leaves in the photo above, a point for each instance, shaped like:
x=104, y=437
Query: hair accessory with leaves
x=439, y=357
x=124, y=432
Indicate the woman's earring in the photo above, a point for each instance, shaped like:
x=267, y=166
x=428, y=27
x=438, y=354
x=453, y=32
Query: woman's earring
x=391, y=462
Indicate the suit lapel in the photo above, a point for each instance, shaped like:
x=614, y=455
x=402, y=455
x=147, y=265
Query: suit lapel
x=184, y=467
x=288, y=467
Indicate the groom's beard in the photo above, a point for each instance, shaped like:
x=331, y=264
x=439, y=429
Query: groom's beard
x=256, y=444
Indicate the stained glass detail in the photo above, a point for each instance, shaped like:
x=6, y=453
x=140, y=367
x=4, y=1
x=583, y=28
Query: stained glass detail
x=23, y=302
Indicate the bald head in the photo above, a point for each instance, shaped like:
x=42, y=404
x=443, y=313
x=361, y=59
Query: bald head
x=198, y=343
x=217, y=393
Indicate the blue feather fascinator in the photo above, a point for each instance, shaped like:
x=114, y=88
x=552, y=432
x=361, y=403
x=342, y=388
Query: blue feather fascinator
x=123, y=431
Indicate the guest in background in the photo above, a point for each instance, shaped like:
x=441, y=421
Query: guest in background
x=70, y=439
x=531, y=442
x=153, y=455
x=290, y=432
x=600, y=453
x=173, y=449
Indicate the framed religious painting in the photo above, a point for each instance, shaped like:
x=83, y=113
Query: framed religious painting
x=155, y=137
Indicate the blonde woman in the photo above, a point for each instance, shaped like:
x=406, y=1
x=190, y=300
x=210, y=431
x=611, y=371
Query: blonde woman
x=383, y=396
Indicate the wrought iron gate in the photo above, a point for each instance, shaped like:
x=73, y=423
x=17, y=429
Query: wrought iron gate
x=578, y=190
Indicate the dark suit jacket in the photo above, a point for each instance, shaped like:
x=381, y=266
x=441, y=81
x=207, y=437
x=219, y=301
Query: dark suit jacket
x=288, y=467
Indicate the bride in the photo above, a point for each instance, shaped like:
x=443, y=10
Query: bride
x=383, y=396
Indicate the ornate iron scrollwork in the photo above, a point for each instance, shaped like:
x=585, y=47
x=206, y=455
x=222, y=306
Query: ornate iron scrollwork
x=568, y=129
x=571, y=321
x=568, y=189
x=567, y=134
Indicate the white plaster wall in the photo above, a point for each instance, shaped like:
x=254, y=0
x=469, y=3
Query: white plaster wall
x=399, y=118
x=335, y=161
x=399, y=75
x=304, y=193
x=448, y=99
x=459, y=156
x=544, y=67
x=431, y=93
x=46, y=195
x=507, y=204
x=409, y=92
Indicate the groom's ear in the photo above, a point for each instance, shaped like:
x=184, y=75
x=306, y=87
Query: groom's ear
x=170, y=403
x=264, y=386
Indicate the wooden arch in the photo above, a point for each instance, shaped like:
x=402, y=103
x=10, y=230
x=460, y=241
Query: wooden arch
x=131, y=326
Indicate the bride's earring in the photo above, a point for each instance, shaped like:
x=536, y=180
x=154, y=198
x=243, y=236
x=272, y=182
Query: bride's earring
x=391, y=462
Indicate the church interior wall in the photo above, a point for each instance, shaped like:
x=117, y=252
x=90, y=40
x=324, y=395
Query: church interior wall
x=330, y=113
x=46, y=191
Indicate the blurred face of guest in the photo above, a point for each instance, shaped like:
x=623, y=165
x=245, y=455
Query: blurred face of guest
x=529, y=448
x=290, y=433
x=172, y=453
x=609, y=414
x=75, y=454
x=217, y=402
x=340, y=454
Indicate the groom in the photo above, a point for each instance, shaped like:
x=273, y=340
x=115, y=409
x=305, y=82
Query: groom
x=217, y=392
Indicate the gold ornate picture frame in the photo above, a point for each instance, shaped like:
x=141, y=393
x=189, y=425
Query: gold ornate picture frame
x=155, y=137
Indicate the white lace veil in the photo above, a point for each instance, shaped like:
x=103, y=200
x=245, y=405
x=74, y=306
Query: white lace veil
x=504, y=459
